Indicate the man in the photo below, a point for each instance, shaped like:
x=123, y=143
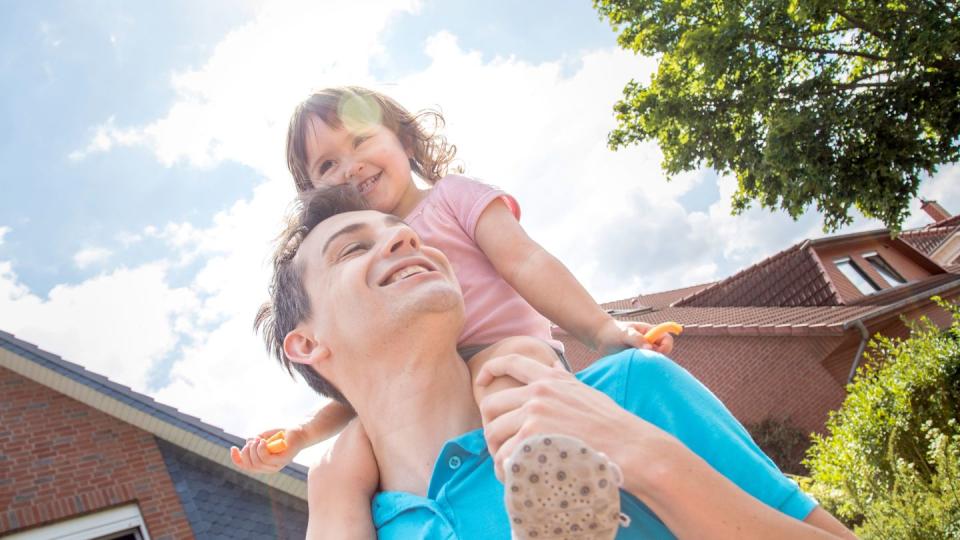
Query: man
x=369, y=315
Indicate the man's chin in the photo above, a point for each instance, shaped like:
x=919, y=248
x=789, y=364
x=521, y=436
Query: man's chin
x=438, y=298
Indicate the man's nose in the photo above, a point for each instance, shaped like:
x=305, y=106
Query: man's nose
x=402, y=240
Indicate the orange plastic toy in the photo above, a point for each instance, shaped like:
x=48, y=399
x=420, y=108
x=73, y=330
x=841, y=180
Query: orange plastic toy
x=277, y=444
x=654, y=334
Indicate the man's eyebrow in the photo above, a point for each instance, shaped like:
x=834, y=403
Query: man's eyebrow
x=346, y=230
x=391, y=219
x=353, y=227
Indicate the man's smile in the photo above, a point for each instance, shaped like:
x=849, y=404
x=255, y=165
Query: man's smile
x=406, y=270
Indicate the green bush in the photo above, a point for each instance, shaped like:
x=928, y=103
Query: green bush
x=782, y=441
x=890, y=462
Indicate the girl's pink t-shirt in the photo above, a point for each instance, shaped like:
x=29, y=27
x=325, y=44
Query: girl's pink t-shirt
x=447, y=220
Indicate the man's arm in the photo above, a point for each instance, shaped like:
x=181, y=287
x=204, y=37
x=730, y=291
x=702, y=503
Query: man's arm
x=686, y=493
x=340, y=487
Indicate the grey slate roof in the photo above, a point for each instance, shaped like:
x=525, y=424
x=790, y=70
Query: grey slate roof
x=223, y=504
x=131, y=398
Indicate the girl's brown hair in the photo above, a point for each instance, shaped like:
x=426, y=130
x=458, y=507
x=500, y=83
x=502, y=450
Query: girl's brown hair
x=418, y=133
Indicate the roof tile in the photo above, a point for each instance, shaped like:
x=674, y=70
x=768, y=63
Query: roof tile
x=792, y=278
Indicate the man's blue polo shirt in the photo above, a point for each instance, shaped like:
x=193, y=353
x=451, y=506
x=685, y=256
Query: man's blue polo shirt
x=465, y=500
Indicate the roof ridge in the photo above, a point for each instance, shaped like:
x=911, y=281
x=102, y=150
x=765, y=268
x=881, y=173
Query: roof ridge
x=823, y=273
x=101, y=384
x=947, y=236
x=752, y=268
x=675, y=289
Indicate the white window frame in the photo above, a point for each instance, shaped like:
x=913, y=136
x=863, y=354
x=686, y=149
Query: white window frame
x=891, y=280
x=859, y=273
x=120, y=519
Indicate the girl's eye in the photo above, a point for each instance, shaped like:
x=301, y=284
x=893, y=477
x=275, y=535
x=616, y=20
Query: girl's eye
x=325, y=166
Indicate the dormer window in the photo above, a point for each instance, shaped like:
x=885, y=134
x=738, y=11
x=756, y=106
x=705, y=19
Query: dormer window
x=856, y=276
x=886, y=271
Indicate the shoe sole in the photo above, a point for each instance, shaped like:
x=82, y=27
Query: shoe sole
x=558, y=487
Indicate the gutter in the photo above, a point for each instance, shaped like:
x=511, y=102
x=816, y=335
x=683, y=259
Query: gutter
x=886, y=310
x=865, y=336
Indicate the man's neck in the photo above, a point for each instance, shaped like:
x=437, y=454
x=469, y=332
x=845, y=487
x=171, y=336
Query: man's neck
x=411, y=413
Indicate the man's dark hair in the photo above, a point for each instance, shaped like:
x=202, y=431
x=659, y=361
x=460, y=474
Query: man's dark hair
x=289, y=304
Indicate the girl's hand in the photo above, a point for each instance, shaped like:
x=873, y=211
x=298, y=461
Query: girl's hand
x=616, y=336
x=255, y=458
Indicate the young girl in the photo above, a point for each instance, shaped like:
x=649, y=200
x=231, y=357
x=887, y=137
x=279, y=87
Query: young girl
x=512, y=288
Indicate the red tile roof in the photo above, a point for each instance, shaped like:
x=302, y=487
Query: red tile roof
x=792, y=278
x=626, y=303
x=666, y=298
x=949, y=222
x=927, y=240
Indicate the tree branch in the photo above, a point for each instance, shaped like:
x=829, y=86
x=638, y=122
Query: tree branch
x=859, y=23
x=854, y=86
x=820, y=50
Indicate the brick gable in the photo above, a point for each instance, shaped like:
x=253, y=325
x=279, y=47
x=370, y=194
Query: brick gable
x=60, y=458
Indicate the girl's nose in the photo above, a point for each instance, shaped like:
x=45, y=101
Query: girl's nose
x=353, y=170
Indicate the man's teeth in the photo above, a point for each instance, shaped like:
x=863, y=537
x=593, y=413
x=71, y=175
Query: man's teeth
x=405, y=272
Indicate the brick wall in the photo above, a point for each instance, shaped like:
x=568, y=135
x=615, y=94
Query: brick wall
x=756, y=377
x=60, y=458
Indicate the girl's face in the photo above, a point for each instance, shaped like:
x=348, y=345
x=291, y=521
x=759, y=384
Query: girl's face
x=372, y=159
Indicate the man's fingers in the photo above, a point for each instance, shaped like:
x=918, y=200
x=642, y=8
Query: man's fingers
x=521, y=368
x=501, y=428
x=508, y=399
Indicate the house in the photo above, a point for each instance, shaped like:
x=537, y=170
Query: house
x=83, y=457
x=781, y=339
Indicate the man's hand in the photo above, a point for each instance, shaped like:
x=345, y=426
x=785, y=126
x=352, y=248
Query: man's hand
x=615, y=336
x=552, y=400
x=255, y=458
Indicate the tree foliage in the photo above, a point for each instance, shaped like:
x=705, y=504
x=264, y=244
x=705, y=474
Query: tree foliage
x=890, y=463
x=836, y=103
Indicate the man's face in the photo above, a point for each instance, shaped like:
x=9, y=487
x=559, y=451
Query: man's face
x=367, y=276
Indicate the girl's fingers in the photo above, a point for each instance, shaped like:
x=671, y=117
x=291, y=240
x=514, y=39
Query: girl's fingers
x=521, y=368
x=245, y=455
x=235, y=456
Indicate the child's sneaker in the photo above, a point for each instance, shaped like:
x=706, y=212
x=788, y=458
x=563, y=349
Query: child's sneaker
x=558, y=487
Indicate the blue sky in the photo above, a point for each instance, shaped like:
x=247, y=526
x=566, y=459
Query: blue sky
x=144, y=174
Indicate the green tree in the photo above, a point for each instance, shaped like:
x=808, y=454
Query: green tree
x=890, y=462
x=837, y=103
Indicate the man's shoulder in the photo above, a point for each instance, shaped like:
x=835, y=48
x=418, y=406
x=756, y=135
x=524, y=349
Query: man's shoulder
x=631, y=373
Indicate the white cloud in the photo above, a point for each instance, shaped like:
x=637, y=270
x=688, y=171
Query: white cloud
x=538, y=130
x=3, y=232
x=105, y=137
x=88, y=256
x=118, y=324
x=128, y=239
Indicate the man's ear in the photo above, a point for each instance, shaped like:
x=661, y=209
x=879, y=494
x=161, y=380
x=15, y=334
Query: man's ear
x=303, y=347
